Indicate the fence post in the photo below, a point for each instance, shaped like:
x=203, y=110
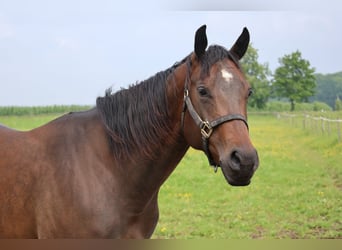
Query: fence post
x=322, y=123
x=339, y=131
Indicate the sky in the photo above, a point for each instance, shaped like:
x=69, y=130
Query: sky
x=70, y=52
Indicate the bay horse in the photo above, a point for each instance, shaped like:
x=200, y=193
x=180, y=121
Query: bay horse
x=97, y=173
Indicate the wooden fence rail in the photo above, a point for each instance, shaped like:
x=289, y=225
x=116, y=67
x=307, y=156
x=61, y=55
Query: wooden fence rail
x=319, y=124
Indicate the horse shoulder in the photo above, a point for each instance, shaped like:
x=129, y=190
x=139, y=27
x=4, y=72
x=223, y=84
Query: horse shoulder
x=78, y=186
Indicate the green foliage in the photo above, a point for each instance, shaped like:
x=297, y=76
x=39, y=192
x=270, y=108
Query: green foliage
x=279, y=106
x=39, y=110
x=329, y=87
x=321, y=106
x=294, y=79
x=338, y=104
x=257, y=75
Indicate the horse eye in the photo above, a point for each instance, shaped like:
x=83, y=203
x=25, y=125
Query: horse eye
x=202, y=91
x=250, y=92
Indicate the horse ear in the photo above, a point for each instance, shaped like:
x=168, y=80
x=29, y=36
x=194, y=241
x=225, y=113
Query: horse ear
x=241, y=45
x=201, y=41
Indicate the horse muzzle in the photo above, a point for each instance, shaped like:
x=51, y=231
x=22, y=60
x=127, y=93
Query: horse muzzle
x=239, y=166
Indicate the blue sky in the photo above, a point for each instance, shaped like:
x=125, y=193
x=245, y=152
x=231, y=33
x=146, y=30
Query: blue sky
x=69, y=52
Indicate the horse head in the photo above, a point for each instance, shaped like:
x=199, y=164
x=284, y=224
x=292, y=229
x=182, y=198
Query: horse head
x=214, y=118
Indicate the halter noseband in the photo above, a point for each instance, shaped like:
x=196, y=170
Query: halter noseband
x=206, y=127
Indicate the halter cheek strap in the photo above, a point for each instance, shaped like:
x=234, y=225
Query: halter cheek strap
x=206, y=127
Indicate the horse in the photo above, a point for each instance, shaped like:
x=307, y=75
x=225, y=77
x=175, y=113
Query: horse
x=97, y=173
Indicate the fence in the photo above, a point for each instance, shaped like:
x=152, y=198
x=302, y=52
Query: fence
x=318, y=124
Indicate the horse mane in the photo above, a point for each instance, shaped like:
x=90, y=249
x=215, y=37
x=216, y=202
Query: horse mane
x=137, y=118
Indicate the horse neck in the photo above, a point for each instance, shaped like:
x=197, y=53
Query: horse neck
x=177, y=146
x=148, y=175
x=175, y=93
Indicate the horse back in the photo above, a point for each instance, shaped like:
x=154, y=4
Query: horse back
x=17, y=178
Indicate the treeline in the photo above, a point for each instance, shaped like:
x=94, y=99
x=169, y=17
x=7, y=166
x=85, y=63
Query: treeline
x=329, y=90
x=41, y=110
x=294, y=81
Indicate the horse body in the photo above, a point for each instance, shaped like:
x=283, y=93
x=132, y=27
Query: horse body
x=97, y=173
x=73, y=189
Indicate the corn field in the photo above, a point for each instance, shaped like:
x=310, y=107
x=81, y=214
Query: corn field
x=40, y=110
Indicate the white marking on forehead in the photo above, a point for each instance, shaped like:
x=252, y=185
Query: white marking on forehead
x=226, y=75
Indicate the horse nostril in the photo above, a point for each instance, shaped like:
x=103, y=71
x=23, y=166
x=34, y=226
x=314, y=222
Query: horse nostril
x=236, y=160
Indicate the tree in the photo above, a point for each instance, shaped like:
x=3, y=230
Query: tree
x=257, y=75
x=294, y=79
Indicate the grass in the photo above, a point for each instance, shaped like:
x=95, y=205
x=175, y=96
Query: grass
x=295, y=193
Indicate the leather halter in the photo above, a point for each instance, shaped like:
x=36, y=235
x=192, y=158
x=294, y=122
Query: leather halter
x=206, y=127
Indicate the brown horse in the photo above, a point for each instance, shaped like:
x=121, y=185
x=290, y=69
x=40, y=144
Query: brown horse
x=97, y=173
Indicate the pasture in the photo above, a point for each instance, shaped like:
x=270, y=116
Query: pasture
x=295, y=193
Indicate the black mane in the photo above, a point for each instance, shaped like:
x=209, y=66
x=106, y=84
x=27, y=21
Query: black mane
x=137, y=118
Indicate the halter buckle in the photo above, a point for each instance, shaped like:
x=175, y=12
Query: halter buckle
x=206, y=130
x=186, y=93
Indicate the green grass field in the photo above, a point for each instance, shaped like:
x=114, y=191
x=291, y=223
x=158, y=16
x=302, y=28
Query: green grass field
x=295, y=193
